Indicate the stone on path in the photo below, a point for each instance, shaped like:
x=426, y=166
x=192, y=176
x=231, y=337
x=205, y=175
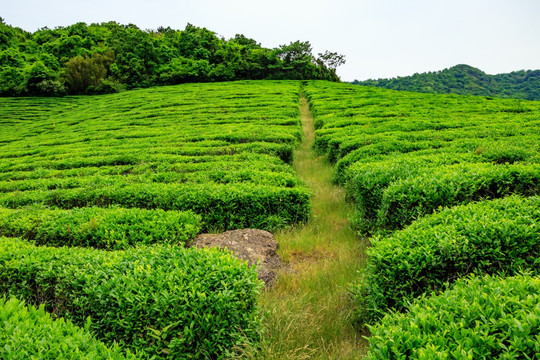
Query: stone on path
x=254, y=246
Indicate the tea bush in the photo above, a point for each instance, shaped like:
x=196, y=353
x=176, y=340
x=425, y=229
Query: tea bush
x=103, y=228
x=417, y=196
x=498, y=236
x=160, y=301
x=221, y=206
x=27, y=332
x=480, y=318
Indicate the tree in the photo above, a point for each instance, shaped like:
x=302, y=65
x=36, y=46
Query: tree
x=83, y=73
x=295, y=52
x=245, y=41
x=40, y=80
x=331, y=59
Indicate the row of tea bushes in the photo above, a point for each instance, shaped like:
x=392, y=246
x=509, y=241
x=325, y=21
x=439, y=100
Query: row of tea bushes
x=163, y=164
x=497, y=237
x=159, y=301
x=102, y=228
x=123, y=155
x=282, y=179
x=369, y=178
x=479, y=318
x=416, y=196
x=27, y=332
x=220, y=150
x=221, y=206
x=391, y=148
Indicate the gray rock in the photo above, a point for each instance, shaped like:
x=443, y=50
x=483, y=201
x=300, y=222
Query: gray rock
x=252, y=245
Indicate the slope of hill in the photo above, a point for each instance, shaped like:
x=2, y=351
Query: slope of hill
x=449, y=186
x=135, y=176
x=467, y=80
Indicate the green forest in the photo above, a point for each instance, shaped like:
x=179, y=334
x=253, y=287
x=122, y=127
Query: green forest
x=110, y=57
x=467, y=80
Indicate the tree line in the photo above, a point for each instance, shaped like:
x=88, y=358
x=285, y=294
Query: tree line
x=111, y=57
x=467, y=80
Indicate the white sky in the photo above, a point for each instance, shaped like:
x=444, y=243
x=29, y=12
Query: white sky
x=380, y=38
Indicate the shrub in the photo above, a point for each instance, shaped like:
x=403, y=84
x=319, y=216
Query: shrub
x=162, y=301
x=480, y=318
x=222, y=207
x=27, y=332
x=450, y=185
x=104, y=228
x=367, y=181
x=498, y=236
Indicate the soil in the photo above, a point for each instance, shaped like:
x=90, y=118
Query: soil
x=257, y=247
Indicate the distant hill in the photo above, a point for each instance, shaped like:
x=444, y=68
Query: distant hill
x=467, y=80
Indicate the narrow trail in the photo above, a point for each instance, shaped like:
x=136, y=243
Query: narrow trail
x=308, y=311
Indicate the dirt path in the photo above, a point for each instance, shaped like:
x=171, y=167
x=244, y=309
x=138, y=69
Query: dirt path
x=308, y=311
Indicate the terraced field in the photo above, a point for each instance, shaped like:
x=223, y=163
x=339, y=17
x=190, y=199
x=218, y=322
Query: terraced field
x=448, y=186
x=99, y=195
x=141, y=173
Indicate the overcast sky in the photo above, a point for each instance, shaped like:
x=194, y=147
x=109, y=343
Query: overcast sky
x=380, y=38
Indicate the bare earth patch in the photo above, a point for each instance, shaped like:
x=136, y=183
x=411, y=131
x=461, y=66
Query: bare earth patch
x=252, y=245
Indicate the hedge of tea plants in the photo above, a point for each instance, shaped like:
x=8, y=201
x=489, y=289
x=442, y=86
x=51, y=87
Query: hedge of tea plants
x=27, y=332
x=401, y=155
x=101, y=228
x=162, y=300
x=480, y=318
x=135, y=176
x=499, y=236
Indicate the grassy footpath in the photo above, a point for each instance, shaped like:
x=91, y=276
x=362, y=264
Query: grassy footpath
x=308, y=312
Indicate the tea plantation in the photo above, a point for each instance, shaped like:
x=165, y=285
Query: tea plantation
x=448, y=188
x=221, y=151
x=100, y=194
x=402, y=155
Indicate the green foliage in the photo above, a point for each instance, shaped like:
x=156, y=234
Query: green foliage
x=367, y=181
x=466, y=80
x=414, y=197
x=221, y=206
x=498, y=236
x=109, y=57
x=182, y=70
x=401, y=155
x=85, y=74
x=220, y=151
x=480, y=318
x=101, y=228
x=27, y=332
x=158, y=301
x=39, y=79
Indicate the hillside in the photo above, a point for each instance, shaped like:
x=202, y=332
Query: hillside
x=100, y=197
x=467, y=80
x=447, y=186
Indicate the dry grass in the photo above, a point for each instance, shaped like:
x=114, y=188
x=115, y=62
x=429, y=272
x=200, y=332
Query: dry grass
x=307, y=310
